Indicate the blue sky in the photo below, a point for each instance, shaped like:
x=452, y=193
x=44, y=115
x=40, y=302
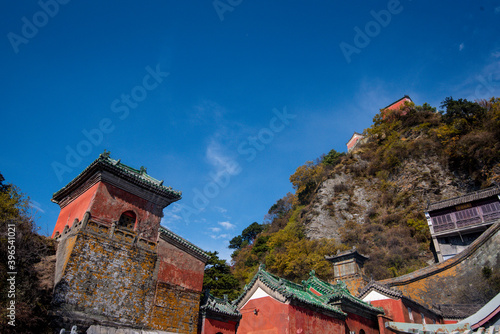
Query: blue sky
x=221, y=99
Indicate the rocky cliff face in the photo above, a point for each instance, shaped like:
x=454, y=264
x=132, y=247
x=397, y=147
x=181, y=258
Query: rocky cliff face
x=347, y=197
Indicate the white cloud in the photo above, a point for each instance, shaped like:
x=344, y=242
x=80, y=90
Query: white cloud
x=220, y=236
x=35, y=205
x=227, y=225
x=221, y=210
x=215, y=229
x=220, y=160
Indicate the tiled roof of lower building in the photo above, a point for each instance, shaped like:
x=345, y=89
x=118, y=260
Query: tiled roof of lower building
x=216, y=306
x=313, y=292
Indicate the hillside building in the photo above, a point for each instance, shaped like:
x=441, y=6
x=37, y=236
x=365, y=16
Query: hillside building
x=397, y=104
x=456, y=222
x=357, y=138
x=354, y=141
x=116, y=266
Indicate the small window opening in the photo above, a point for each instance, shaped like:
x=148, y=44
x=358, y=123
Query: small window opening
x=127, y=220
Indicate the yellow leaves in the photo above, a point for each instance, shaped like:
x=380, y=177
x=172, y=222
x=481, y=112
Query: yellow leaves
x=305, y=173
x=292, y=255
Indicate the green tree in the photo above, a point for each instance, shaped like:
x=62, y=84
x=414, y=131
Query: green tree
x=27, y=247
x=332, y=158
x=236, y=242
x=250, y=233
x=462, y=114
x=218, y=278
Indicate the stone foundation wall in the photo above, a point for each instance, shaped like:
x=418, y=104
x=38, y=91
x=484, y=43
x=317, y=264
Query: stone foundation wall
x=175, y=309
x=438, y=284
x=104, y=279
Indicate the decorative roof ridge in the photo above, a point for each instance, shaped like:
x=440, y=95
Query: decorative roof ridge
x=469, y=197
x=284, y=287
x=353, y=251
x=342, y=293
x=319, y=285
x=219, y=305
x=138, y=176
x=383, y=288
x=183, y=242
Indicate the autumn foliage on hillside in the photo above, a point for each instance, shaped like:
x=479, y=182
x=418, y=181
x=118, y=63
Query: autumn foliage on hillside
x=463, y=138
x=26, y=250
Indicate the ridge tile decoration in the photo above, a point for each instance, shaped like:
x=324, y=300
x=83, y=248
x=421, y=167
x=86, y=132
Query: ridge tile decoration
x=312, y=306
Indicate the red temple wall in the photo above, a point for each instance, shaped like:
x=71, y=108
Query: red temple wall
x=212, y=326
x=110, y=202
x=356, y=323
x=178, y=267
x=75, y=209
x=275, y=317
x=394, y=309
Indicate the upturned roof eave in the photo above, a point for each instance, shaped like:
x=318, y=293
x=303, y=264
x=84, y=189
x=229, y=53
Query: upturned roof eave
x=124, y=171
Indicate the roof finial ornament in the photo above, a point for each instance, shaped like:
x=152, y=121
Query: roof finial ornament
x=262, y=266
x=312, y=273
x=105, y=154
x=143, y=170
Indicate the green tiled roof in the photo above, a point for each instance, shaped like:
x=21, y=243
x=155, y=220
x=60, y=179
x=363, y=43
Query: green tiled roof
x=137, y=176
x=332, y=296
x=292, y=291
x=183, y=242
x=219, y=306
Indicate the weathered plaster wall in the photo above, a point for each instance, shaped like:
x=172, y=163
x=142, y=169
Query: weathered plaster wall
x=354, y=284
x=438, y=283
x=106, y=279
x=175, y=309
x=111, y=276
x=74, y=210
x=179, y=268
x=110, y=202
